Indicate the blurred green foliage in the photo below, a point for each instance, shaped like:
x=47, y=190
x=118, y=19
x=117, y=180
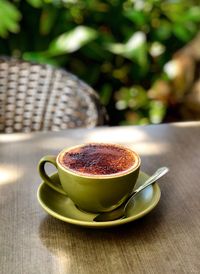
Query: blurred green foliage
x=118, y=47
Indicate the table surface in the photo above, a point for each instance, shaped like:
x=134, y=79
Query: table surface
x=167, y=240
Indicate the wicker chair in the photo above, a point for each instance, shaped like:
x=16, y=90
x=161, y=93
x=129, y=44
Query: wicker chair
x=36, y=97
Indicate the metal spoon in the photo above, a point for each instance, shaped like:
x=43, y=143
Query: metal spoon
x=120, y=211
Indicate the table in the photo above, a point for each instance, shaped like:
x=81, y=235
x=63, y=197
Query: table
x=167, y=240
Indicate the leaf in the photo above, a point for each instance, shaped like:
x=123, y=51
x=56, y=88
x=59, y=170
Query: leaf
x=72, y=41
x=173, y=11
x=39, y=57
x=136, y=16
x=181, y=32
x=164, y=31
x=9, y=18
x=126, y=49
x=157, y=111
x=135, y=48
x=105, y=94
x=35, y=3
x=10, y=10
x=193, y=14
x=47, y=20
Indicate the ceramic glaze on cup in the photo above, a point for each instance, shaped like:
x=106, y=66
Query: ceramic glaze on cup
x=97, y=177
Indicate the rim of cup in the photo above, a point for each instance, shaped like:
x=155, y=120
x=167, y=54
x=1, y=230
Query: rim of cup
x=134, y=167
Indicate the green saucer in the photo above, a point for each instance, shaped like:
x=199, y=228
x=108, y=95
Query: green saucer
x=62, y=207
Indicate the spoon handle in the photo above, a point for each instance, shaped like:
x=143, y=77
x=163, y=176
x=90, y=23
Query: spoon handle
x=158, y=174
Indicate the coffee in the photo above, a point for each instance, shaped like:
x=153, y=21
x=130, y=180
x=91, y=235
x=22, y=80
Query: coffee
x=99, y=159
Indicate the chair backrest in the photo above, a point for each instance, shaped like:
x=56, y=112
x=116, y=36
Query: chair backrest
x=35, y=97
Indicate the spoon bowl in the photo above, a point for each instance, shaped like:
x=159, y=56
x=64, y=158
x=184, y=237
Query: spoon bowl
x=120, y=212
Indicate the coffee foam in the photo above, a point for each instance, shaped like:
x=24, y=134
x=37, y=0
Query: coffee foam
x=99, y=159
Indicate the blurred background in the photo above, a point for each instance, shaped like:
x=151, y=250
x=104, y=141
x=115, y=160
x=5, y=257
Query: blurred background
x=142, y=57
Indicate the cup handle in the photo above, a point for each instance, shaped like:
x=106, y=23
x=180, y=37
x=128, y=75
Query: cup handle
x=41, y=168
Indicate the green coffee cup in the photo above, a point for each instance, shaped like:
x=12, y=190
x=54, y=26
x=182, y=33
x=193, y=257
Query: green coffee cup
x=90, y=191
